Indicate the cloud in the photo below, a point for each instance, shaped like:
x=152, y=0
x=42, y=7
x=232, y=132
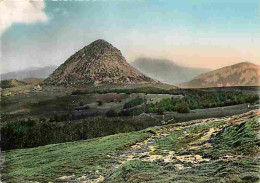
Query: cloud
x=21, y=11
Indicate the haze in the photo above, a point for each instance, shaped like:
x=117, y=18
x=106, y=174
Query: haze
x=195, y=33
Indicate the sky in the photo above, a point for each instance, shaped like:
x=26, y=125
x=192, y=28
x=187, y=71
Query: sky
x=195, y=33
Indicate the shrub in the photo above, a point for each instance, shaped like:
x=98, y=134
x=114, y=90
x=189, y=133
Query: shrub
x=27, y=134
x=57, y=118
x=17, y=134
x=42, y=119
x=134, y=102
x=125, y=112
x=251, y=98
x=86, y=107
x=51, y=119
x=138, y=111
x=112, y=100
x=160, y=111
x=196, y=99
x=182, y=107
x=76, y=92
x=100, y=103
x=111, y=113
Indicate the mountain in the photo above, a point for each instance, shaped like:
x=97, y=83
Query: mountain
x=166, y=71
x=33, y=72
x=241, y=74
x=96, y=64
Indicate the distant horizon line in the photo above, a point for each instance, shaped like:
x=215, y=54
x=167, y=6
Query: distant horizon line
x=141, y=57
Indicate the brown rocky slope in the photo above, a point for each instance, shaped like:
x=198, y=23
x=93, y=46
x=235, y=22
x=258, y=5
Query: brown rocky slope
x=96, y=64
x=241, y=74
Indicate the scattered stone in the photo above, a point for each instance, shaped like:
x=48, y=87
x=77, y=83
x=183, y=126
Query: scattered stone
x=179, y=167
x=66, y=178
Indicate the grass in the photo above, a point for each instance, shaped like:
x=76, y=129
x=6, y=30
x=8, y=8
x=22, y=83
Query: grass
x=239, y=170
x=131, y=170
x=244, y=170
x=232, y=140
x=49, y=162
x=237, y=139
x=178, y=140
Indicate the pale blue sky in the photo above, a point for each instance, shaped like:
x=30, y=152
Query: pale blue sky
x=198, y=33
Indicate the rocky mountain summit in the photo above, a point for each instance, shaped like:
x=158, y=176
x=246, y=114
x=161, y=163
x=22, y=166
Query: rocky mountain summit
x=241, y=74
x=96, y=64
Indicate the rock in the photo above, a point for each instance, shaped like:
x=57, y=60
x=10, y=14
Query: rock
x=82, y=178
x=66, y=178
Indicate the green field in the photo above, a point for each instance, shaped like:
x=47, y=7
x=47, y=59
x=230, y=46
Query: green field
x=49, y=162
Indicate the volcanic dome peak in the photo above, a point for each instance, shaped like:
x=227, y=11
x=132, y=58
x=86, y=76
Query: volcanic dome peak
x=96, y=64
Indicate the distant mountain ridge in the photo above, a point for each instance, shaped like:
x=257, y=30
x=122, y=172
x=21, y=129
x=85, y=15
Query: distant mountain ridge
x=33, y=72
x=166, y=71
x=98, y=63
x=241, y=74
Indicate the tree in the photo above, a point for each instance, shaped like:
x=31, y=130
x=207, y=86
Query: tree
x=111, y=113
x=81, y=104
x=182, y=107
x=160, y=111
x=100, y=103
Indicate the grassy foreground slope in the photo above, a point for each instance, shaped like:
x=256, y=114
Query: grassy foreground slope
x=49, y=162
x=208, y=150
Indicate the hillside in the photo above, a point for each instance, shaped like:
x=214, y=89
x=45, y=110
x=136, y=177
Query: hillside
x=32, y=72
x=12, y=87
x=33, y=80
x=241, y=74
x=209, y=150
x=96, y=64
x=166, y=71
x=10, y=83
